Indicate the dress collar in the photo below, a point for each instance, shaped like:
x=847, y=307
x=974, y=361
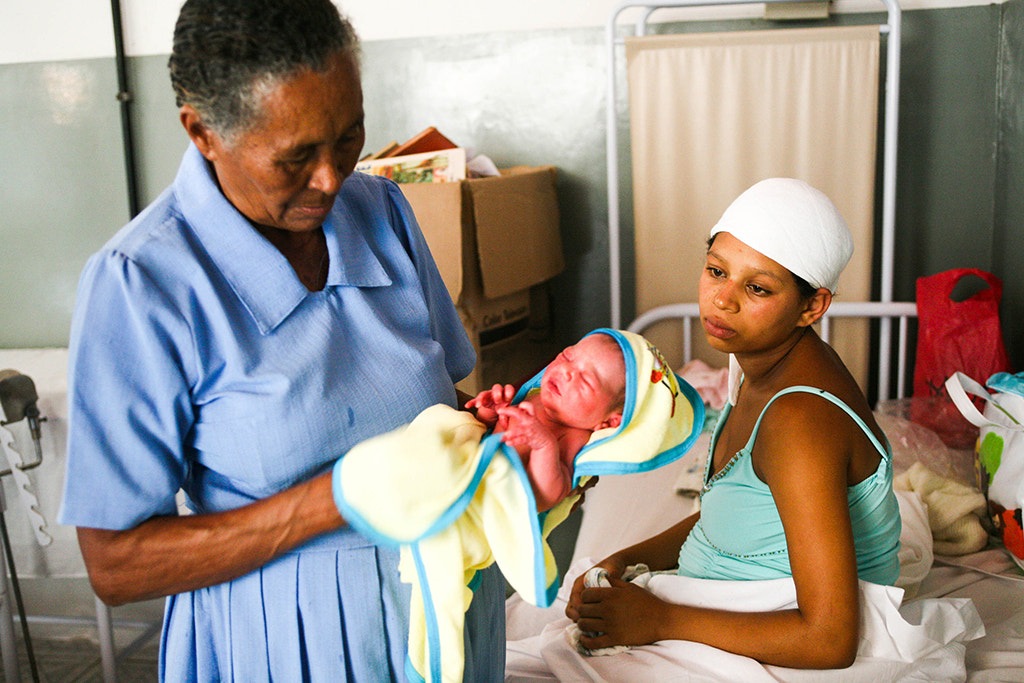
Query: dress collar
x=257, y=272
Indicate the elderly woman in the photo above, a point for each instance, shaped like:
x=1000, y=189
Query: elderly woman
x=267, y=312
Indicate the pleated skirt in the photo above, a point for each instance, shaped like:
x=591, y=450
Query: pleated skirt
x=322, y=613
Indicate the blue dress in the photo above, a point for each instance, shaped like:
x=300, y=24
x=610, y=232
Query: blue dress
x=200, y=362
x=740, y=536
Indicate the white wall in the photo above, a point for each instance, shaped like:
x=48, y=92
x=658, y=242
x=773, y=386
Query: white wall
x=54, y=30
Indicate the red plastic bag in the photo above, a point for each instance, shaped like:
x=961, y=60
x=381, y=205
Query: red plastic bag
x=954, y=336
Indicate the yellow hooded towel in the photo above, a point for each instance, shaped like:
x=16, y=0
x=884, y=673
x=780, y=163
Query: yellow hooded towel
x=455, y=499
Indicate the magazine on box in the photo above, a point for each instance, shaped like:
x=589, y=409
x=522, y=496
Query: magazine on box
x=441, y=166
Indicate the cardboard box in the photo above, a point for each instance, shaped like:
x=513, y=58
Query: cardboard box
x=493, y=239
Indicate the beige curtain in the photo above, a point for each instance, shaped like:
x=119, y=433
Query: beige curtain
x=711, y=114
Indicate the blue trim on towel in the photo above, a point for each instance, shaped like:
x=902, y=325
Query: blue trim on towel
x=543, y=596
x=552, y=591
x=489, y=443
x=527, y=387
x=629, y=356
x=430, y=616
x=411, y=674
x=596, y=468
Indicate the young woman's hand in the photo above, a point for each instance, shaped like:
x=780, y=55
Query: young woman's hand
x=486, y=404
x=622, y=614
x=612, y=564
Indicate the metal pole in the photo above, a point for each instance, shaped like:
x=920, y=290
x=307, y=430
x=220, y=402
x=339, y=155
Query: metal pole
x=8, y=646
x=892, y=98
x=124, y=96
x=612, y=161
x=108, y=655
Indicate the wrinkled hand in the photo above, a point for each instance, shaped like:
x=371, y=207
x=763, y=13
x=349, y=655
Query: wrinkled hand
x=524, y=430
x=486, y=404
x=623, y=614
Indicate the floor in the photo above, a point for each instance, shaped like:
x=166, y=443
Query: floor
x=64, y=634
x=78, y=661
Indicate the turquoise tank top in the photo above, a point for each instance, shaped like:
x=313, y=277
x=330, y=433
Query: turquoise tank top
x=740, y=537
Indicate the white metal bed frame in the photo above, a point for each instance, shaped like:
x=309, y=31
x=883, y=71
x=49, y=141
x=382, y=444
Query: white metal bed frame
x=884, y=309
x=900, y=312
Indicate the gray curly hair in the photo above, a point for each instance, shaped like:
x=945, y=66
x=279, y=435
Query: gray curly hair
x=227, y=53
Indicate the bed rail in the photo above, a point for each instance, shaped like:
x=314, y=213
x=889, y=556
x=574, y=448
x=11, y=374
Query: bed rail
x=903, y=313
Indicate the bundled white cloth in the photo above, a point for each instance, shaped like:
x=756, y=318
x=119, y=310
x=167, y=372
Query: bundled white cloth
x=922, y=640
x=954, y=510
x=916, y=544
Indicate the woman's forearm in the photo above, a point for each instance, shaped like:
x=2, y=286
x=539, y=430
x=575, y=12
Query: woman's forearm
x=788, y=638
x=825, y=637
x=168, y=555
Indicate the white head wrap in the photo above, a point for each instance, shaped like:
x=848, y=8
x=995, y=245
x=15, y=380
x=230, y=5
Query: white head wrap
x=795, y=225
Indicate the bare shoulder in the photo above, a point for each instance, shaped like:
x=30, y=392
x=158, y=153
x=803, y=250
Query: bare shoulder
x=804, y=432
x=802, y=418
x=802, y=442
x=822, y=370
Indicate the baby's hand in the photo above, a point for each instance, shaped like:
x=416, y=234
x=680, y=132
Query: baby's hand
x=487, y=403
x=524, y=430
x=538, y=448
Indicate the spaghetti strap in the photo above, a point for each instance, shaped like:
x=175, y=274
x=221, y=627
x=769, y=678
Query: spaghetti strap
x=883, y=449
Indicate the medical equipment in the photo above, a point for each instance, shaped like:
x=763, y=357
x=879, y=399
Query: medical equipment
x=18, y=402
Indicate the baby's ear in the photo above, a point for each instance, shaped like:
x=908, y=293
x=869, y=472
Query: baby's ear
x=613, y=420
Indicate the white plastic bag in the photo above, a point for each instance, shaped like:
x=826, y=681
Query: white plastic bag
x=1000, y=449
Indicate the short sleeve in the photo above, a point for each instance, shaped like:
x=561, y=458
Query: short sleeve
x=445, y=326
x=128, y=401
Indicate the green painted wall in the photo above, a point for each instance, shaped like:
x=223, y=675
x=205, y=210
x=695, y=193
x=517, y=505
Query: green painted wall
x=1008, y=222
x=61, y=193
x=521, y=98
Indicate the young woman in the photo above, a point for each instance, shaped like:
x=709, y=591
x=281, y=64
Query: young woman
x=799, y=478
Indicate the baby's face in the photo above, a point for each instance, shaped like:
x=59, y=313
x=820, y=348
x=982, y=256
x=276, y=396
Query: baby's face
x=582, y=386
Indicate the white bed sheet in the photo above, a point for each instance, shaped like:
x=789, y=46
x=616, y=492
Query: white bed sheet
x=996, y=586
x=921, y=641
